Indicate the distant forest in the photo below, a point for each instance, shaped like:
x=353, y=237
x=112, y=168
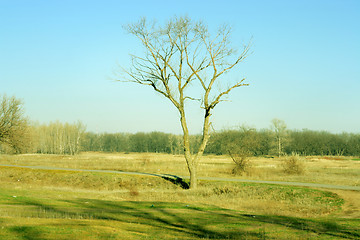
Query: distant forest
x=252, y=141
x=59, y=138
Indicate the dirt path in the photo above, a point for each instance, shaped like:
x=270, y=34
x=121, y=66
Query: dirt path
x=312, y=185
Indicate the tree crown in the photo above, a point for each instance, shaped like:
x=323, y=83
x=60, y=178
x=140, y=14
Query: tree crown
x=182, y=53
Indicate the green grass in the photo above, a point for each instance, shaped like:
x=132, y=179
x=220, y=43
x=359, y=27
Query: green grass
x=35, y=215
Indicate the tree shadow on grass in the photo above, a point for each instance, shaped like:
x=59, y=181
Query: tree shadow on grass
x=180, y=220
x=162, y=219
x=176, y=180
x=321, y=227
x=168, y=177
x=26, y=232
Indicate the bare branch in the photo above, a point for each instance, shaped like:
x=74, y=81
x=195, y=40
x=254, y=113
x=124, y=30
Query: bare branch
x=218, y=98
x=191, y=98
x=242, y=56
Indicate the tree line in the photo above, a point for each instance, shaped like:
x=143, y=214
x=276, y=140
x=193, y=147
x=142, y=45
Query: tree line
x=157, y=142
x=58, y=138
x=303, y=142
x=18, y=135
x=52, y=138
x=244, y=140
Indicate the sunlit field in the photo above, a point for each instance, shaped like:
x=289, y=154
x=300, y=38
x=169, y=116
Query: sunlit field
x=55, y=204
x=326, y=170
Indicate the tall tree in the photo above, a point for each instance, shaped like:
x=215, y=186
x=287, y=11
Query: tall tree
x=14, y=129
x=182, y=55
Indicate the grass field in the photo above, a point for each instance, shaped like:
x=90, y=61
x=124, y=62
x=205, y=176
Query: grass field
x=46, y=204
x=326, y=170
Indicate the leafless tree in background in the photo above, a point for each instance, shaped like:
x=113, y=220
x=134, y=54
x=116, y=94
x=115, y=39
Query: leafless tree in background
x=59, y=138
x=14, y=129
x=281, y=133
x=182, y=55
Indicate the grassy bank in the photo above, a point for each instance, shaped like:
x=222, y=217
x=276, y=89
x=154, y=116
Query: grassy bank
x=266, y=199
x=46, y=204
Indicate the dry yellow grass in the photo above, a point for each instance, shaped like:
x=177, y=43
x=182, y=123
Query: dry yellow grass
x=351, y=207
x=320, y=170
x=324, y=170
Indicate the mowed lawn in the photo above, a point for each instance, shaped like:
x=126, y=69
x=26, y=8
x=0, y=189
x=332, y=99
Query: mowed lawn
x=45, y=204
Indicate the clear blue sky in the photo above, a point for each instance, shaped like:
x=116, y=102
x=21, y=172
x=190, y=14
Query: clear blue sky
x=59, y=57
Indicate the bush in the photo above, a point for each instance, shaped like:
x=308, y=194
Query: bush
x=242, y=163
x=293, y=165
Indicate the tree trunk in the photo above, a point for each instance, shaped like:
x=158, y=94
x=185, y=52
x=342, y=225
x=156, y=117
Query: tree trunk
x=192, y=160
x=279, y=146
x=193, y=175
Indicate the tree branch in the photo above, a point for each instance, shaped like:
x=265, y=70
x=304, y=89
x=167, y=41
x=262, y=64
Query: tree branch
x=218, y=98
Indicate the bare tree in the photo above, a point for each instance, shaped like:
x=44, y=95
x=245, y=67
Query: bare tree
x=182, y=55
x=14, y=129
x=60, y=138
x=281, y=133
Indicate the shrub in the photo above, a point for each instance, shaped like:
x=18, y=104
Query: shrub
x=293, y=165
x=242, y=163
x=220, y=190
